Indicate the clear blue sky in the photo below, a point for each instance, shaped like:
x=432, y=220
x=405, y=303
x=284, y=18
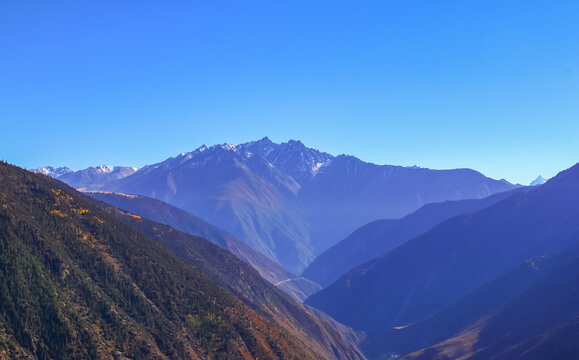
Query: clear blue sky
x=490, y=85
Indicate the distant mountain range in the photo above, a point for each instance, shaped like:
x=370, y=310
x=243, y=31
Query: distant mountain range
x=469, y=287
x=285, y=200
x=92, y=178
x=80, y=279
x=53, y=172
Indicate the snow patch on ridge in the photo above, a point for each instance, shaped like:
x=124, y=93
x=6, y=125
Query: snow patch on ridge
x=316, y=167
x=53, y=172
x=105, y=169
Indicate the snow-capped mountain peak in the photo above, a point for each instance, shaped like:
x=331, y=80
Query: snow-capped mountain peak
x=538, y=181
x=53, y=172
x=104, y=169
x=297, y=160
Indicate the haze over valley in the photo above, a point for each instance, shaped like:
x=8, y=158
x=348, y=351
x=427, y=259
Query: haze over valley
x=289, y=180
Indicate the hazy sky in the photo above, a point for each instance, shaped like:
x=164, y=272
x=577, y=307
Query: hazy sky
x=490, y=85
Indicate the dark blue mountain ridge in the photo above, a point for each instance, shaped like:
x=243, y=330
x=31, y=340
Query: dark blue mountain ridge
x=470, y=313
x=380, y=236
x=529, y=313
x=456, y=257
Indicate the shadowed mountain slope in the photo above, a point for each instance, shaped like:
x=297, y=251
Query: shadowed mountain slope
x=178, y=219
x=456, y=257
x=465, y=313
x=77, y=282
x=379, y=237
x=537, y=323
x=348, y=193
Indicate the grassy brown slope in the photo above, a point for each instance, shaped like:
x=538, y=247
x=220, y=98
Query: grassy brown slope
x=246, y=283
x=76, y=282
